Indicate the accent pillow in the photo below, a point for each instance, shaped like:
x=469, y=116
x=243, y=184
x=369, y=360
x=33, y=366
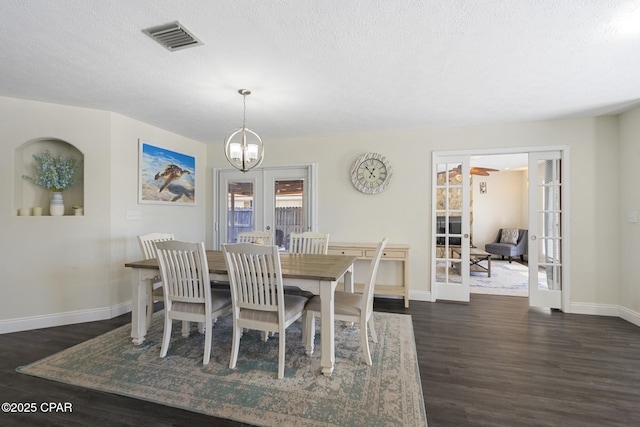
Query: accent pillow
x=509, y=235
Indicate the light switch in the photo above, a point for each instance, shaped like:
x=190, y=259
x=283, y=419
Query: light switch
x=632, y=216
x=134, y=215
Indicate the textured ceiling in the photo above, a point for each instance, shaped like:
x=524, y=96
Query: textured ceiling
x=326, y=67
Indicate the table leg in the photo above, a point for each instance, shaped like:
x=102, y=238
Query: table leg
x=489, y=266
x=327, y=325
x=348, y=280
x=139, y=278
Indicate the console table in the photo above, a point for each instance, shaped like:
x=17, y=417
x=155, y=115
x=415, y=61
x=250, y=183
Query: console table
x=366, y=251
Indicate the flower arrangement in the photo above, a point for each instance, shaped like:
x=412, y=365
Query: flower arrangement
x=54, y=173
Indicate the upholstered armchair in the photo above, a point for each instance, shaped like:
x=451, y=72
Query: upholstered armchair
x=506, y=247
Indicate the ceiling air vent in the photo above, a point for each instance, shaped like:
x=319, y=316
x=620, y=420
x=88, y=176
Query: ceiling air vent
x=173, y=36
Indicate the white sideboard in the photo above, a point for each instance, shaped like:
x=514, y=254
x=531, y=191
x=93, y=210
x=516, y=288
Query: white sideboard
x=392, y=252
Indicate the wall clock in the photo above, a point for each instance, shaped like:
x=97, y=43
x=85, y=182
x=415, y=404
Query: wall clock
x=371, y=173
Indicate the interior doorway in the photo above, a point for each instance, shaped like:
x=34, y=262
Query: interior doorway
x=543, y=220
x=498, y=200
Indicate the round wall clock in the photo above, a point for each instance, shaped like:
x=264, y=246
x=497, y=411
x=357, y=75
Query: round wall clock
x=371, y=173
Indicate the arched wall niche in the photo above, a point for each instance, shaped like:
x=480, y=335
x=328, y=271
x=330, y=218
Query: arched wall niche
x=28, y=195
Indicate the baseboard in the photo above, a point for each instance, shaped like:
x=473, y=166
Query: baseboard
x=595, y=309
x=420, y=296
x=61, y=319
x=630, y=315
x=607, y=310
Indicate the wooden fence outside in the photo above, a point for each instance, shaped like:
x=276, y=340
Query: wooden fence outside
x=287, y=219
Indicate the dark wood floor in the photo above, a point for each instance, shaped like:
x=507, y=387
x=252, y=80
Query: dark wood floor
x=492, y=362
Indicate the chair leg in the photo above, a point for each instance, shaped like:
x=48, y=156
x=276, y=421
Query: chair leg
x=235, y=346
x=166, y=336
x=149, y=302
x=365, y=344
x=522, y=258
x=372, y=329
x=207, y=345
x=309, y=328
x=281, y=351
x=186, y=326
x=510, y=258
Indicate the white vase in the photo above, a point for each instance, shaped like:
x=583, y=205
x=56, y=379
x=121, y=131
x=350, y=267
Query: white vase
x=56, y=208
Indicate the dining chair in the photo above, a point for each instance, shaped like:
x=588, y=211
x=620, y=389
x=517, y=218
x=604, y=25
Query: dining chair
x=187, y=293
x=349, y=307
x=147, y=246
x=309, y=243
x=261, y=237
x=257, y=295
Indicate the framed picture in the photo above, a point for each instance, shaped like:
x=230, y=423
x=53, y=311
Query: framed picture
x=165, y=176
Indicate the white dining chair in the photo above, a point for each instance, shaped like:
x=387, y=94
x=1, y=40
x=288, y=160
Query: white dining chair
x=260, y=237
x=154, y=286
x=349, y=307
x=309, y=242
x=257, y=295
x=187, y=293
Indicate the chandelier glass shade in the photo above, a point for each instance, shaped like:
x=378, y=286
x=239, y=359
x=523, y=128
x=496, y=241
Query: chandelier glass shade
x=244, y=148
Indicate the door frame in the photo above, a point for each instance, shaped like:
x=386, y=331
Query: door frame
x=566, y=200
x=311, y=193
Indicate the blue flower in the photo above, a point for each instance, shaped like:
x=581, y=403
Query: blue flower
x=54, y=173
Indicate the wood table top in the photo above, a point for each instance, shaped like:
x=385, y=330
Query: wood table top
x=294, y=266
x=472, y=251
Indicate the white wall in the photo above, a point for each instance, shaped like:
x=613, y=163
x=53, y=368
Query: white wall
x=629, y=202
x=58, y=270
x=67, y=269
x=402, y=212
x=504, y=205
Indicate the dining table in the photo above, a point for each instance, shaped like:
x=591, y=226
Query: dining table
x=319, y=274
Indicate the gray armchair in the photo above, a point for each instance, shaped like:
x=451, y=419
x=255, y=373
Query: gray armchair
x=508, y=249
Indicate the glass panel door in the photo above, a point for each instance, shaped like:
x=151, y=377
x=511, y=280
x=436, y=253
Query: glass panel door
x=545, y=229
x=286, y=203
x=239, y=202
x=450, y=228
x=280, y=200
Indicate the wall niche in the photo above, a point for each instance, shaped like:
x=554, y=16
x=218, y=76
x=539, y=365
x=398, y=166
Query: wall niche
x=29, y=196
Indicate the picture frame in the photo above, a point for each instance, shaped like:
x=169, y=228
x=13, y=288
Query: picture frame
x=165, y=176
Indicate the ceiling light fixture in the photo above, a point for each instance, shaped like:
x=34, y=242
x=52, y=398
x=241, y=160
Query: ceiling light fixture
x=247, y=151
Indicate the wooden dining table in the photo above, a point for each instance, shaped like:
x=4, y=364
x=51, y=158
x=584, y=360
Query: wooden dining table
x=319, y=274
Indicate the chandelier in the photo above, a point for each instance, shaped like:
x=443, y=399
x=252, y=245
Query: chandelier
x=246, y=151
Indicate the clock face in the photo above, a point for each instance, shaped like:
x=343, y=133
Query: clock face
x=371, y=173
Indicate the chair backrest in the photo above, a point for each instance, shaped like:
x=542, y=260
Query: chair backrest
x=309, y=243
x=255, y=277
x=261, y=237
x=147, y=243
x=371, y=279
x=184, y=271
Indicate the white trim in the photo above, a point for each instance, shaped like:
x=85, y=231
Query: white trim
x=420, y=296
x=630, y=315
x=609, y=310
x=61, y=319
x=595, y=309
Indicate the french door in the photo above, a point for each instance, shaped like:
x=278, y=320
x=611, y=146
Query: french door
x=546, y=207
x=450, y=225
x=280, y=200
x=547, y=223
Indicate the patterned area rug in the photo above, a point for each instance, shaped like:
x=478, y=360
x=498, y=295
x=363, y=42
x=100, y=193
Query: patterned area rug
x=506, y=279
x=389, y=393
